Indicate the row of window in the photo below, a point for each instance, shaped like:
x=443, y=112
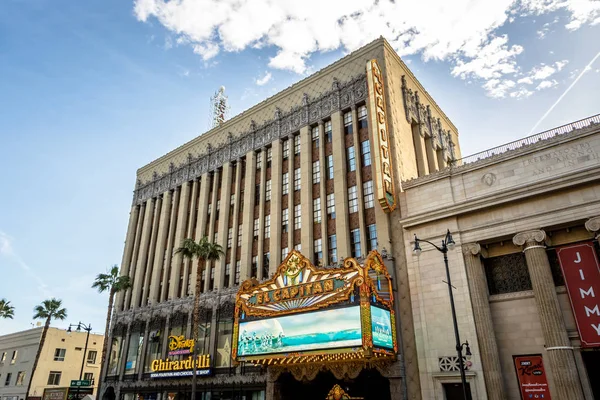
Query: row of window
x=19, y=381
x=13, y=359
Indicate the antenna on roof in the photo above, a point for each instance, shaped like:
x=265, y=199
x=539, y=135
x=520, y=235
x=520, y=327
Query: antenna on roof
x=219, y=107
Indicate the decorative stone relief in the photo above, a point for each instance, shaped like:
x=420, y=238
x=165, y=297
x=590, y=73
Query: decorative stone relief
x=488, y=179
x=530, y=238
x=593, y=225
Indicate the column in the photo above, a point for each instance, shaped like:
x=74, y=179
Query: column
x=190, y=233
x=149, y=270
x=432, y=161
x=159, y=250
x=419, y=143
x=261, y=215
x=174, y=287
x=593, y=226
x=340, y=184
x=204, y=183
x=125, y=350
x=142, y=358
x=359, y=185
x=559, y=351
x=211, y=225
x=490, y=360
x=128, y=252
x=138, y=280
x=223, y=227
x=323, y=193
x=236, y=221
x=134, y=257
x=168, y=257
x=292, y=171
x=306, y=194
x=165, y=339
x=276, y=194
x=272, y=389
x=248, y=216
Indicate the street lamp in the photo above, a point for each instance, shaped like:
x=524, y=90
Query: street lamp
x=79, y=326
x=449, y=244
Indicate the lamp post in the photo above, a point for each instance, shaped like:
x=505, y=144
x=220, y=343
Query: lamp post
x=79, y=326
x=448, y=244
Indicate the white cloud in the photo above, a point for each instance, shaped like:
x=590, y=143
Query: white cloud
x=546, y=84
x=461, y=32
x=527, y=80
x=497, y=88
x=263, y=81
x=521, y=93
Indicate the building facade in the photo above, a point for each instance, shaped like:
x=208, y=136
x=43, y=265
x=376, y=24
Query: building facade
x=60, y=362
x=316, y=168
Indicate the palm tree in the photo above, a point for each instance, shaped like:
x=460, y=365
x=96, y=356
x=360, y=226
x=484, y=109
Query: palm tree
x=113, y=283
x=203, y=251
x=6, y=310
x=49, y=310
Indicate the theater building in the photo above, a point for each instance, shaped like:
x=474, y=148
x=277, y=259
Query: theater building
x=315, y=195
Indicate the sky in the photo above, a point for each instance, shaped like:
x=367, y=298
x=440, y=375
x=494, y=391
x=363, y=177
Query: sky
x=92, y=90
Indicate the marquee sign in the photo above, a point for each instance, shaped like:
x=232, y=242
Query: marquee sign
x=580, y=268
x=381, y=140
x=180, y=345
x=175, y=368
x=306, y=313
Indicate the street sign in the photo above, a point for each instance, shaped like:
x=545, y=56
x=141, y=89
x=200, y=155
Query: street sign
x=81, y=383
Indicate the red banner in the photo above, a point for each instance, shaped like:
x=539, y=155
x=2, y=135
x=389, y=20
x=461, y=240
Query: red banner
x=531, y=374
x=579, y=264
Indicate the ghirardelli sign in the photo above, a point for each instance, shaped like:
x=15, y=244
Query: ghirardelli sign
x=579, y=264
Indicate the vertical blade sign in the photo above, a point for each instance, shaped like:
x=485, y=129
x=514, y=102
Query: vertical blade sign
x=579, y=264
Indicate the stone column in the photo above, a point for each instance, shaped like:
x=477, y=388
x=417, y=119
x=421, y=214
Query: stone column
x=323, y=193
x=342, y=221
x=159, y=251
x=134, y=257
x=558, y=346
x=146, y=293
x=306, y=194
x=180, y=230
x=276, y=194
x=248, y=216
x=359, y=185
x=490, y=360
x=142, y=358
x=420, y=152
x=223, y=227
x=140, y=268
x=170, y=242
x=261, y=214
x=128, y=252
x=593, y=225
x=272, y=390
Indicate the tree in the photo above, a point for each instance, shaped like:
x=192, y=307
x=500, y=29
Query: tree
x=6, y=310
x=113, y=283
x=49, y=310
x=203, y=251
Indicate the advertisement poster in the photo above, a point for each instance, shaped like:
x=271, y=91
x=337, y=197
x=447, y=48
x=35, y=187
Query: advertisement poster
x=381, y=327
x=531, y=375
x=311, y=331
x=55, y=394
x=579, y=265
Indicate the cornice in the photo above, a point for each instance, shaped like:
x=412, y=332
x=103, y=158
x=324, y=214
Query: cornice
x=284, y=124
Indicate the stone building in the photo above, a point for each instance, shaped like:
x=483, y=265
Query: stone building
x=60, y=362
x=304, y=170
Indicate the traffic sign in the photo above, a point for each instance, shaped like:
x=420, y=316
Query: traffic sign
x=81, y=383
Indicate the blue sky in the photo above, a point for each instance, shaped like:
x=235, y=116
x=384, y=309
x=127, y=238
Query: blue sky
x=92, y=90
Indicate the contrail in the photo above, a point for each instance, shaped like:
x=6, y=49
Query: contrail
x=586, y=69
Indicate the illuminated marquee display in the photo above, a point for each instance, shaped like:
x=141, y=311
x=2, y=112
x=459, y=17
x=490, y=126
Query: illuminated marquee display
x=168, y=368
x=180, y=345
x=306, y=314
x=381, y=140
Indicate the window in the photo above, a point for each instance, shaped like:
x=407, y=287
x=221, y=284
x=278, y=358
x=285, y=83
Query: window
x=259, y=160
x=348, y=123
x=297, y=217
x=352, y=200
x=257, y=194
x=284, y=253
x=91, y=356
x=267, y=226
x=368, y=194
x=297, y=144
x=88, y=376
x=285, y=220
x=318, y=251
x=351, y=159
x=507, y=273
x=209, y=209
x=355, y=243
x=227, y=274
x=331, y=205
x=328, y=132
x=211, y=283
x=297, y=179
x=239, y=238
x=317, y=210
x=230, y=238
x=330, y=167
x=20, y=378
x=8, y=377
x=54, y=378
x=285, y=183
x=59, y=354
x=365, y=150
x=315, y=137
x=286, y=149
x=256, y=229
x=332, y=244
x=268, y=191
x=3, y=357
x=298, y=247
x=236, y=278
x=362, y=117
x=218, y=209
x=232, y=200
x=316, y=171
x=14, y=357
x=266, y=258
x=269, y=157
x=254, y=270
x=371, y=237
x=215, y=237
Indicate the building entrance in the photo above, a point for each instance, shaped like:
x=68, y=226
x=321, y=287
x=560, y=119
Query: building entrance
x=453, y=391
x=591, y=359
x=369, y=384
